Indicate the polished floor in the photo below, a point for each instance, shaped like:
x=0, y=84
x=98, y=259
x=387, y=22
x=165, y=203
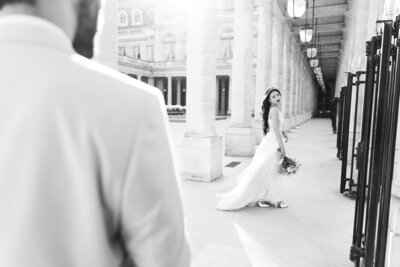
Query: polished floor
x=315, y=231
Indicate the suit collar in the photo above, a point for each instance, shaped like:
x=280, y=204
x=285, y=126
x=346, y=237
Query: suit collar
x=30, y=30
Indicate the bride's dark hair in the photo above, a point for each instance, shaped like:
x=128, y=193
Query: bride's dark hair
x=265, y=108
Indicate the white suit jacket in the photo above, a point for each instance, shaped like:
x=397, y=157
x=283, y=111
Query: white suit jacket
x=86, y=168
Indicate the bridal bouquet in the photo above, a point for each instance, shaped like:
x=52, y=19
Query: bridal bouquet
x=289, y=166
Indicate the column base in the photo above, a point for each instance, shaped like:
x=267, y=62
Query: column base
x=298, y=119
x=201, y=159
x=240, y=142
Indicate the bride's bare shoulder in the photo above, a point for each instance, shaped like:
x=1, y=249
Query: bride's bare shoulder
x=274, y=111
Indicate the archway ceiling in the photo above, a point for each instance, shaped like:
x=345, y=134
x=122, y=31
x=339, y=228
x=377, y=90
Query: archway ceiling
x=331, y=23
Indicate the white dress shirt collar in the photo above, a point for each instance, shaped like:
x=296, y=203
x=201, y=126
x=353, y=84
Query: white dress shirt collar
x=33, y=31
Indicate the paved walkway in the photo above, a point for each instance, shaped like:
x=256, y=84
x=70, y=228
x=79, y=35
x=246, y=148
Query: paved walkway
x=315, y=231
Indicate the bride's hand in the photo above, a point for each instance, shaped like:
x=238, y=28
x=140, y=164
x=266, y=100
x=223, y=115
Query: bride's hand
x=285, y=137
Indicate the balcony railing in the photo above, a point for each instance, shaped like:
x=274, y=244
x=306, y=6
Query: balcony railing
x=148, y=63
x=168, y=63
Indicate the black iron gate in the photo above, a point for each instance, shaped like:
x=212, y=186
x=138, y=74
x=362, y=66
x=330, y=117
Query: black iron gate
x=340, y=123
x=375, y=151
x=348, y=117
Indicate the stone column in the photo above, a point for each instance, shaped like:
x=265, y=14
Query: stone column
x=264, y=62
x=359, y=64
x=298, y=78
x=178, y=91
x=293, y=84
x=106, y=38
x=277, y=48
x=391, y=9
x=240, y=138
x=362, y=37
x=353, y=32
x=296, y=87
x=151, y=81
x=375, y=13
x=169, y=89
x=302, y=88
x=201, y=151
x=300, y=92
x=344, y=56
x=287, y=48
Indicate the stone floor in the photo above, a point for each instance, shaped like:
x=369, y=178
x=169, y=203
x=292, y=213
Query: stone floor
x=315, y=231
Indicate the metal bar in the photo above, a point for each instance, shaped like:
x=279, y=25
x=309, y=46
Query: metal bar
x=353, y=144
x=387, y=185
x=377, y=160
x=377, y=60
x=362, y=154
x=346, y=125
x=340, y=126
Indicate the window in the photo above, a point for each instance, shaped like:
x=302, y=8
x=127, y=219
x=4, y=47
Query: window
x=137, y=18
x=169, y=47
x=122, y=51
x=150, y=53
x=226, y=44
x=136, y=52
x=122, y=18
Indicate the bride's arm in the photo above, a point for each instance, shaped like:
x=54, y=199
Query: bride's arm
x=277, y=129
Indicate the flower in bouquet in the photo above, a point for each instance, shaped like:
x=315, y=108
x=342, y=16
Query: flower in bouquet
x=289, y=166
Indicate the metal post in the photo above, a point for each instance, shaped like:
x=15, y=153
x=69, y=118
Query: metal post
x=346, y=125
x=363, y=148
x=340, y=126
x=391, y=142
x=377, y=169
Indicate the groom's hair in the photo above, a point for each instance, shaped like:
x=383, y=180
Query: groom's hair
x=6, y=2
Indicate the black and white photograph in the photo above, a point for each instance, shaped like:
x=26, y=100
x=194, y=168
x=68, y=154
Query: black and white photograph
x=199, y=133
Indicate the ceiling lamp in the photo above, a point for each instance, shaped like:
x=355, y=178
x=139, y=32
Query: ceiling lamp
x=314, y=63
x=312, y=48
x=317, y=70
x=306, y=34
x=296, y=8
x=312, y=51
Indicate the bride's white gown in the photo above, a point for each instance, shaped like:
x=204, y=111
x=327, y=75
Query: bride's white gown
x=261, y=179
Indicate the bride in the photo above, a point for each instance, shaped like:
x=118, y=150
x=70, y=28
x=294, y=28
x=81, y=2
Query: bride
x=260, y=183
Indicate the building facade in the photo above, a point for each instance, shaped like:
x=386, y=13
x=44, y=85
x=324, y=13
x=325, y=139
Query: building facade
x=152, y=38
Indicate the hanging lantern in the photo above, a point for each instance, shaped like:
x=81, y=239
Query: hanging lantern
x=296, y=8
x=314, y=63
x=317, y=70
x=306, y=34
x=312, y=51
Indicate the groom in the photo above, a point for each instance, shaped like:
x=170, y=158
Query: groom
x=87, y=177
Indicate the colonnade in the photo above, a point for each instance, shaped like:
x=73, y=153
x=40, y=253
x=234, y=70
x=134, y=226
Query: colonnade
x=361, y=26
x=280, y=63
